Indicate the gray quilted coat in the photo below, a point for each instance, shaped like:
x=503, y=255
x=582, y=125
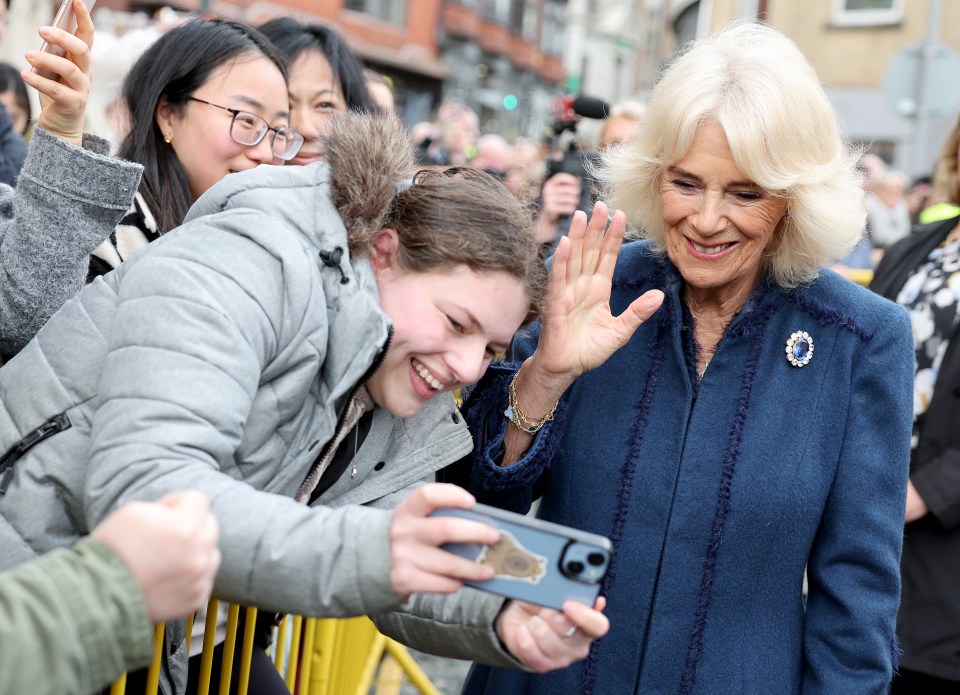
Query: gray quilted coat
x=220, y=358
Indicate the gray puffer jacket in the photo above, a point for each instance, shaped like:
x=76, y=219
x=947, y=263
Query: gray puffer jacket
x=220, y=358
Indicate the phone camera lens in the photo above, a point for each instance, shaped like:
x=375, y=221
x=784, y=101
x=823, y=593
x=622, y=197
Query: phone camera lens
x=596, y=559
x=575, y=567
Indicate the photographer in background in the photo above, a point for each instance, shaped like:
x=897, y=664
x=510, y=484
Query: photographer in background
x=563, y=191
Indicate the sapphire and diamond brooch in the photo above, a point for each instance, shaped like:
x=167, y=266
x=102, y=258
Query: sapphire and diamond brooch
x=799, y=348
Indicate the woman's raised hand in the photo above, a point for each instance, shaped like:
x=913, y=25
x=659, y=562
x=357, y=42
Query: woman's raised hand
x=579, y=330
x=64, y=98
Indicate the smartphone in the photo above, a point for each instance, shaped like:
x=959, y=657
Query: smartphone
x=65, y=19
x=535, y=561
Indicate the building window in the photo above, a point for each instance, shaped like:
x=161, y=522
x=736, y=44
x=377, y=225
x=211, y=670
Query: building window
x=863, y=13
x=554, y=21
x=497, y=11
x=685, y=25
x=523, y=20
x=393, y=11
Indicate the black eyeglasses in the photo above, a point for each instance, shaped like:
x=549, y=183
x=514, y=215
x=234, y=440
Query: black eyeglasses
x=249, y=129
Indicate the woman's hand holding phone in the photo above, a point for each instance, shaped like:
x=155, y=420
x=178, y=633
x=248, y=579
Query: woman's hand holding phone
x=63, y=80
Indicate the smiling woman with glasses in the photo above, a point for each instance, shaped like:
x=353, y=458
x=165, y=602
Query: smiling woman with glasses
x=177, y=95
x=249, y=129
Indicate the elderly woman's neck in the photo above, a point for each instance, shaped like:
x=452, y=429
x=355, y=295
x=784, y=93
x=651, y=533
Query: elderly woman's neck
x=712, y=310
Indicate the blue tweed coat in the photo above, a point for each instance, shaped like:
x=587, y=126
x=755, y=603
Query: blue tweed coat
x=718, y=498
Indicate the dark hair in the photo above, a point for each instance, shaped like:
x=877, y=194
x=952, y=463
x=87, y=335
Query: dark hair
x=293, y=38
x=464, y=216
x=173, y=68
x=10, y=81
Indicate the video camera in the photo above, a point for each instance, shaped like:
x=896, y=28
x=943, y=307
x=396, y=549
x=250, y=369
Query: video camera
x=567, y=112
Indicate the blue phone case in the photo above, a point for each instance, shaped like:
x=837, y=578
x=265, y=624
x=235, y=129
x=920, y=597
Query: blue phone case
x=536, y=561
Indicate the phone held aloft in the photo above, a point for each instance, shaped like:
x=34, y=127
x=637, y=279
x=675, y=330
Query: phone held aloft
x=66, y=20
x=535, y=561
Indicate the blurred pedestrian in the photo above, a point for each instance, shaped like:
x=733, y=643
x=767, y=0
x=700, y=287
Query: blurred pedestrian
x=493, y=155
x=888, y=217
x=459, y=128
x=922, y=273
x=622, y=125
x=918, y=196
x=13, y=96
x=945, y=196
x=324, y=79
x=381, y=91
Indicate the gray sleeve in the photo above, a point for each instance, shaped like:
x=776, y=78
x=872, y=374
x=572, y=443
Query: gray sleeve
x=68, y=200
x=457, y=626
x=71, y=621
x=175, y=398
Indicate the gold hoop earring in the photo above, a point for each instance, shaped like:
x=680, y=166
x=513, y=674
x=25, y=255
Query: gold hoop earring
x=168, y=137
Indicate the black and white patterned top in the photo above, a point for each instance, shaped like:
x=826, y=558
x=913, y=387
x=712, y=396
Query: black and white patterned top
x=932, y=296
x=137, y=229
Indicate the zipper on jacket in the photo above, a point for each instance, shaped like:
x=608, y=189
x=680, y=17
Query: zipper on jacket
x=58, y=423
x=341, y=419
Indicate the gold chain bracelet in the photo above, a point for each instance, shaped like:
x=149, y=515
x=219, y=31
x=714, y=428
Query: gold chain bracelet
x=516, y=416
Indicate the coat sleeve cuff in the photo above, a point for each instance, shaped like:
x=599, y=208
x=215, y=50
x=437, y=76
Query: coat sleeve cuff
x=456, y=626
x=109, y=610
x=85, y=175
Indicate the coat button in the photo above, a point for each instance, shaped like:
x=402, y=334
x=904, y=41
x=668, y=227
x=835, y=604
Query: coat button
x=455, y=417
x=380, y=465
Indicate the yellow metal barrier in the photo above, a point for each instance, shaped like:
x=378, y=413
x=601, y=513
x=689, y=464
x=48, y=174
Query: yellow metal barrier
x=334, y=657
x=859, y=275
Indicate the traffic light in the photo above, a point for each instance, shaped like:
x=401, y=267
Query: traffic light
x=510, y=102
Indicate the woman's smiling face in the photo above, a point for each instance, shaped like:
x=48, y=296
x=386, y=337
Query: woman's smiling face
x=447, y=326
x=201, y=132
x=718, y=222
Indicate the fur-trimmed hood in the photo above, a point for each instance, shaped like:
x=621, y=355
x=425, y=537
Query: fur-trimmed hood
x=367, y=157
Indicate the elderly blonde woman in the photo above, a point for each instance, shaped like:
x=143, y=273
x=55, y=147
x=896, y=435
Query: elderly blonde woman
x=756, y=426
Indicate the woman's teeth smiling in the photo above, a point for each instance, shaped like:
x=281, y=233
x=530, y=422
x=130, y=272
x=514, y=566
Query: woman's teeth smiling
x=426, y=375
x=710, y=250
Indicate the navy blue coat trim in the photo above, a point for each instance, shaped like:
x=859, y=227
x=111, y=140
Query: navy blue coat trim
x=730, y=457
x=627, y=475
x=826, y=315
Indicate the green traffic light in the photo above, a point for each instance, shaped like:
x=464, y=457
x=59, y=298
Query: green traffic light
x=510, y=102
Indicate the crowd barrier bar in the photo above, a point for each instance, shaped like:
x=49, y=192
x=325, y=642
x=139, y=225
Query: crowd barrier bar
x=336, y=656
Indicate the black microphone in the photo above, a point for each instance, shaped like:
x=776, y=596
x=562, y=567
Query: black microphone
x=590, y=107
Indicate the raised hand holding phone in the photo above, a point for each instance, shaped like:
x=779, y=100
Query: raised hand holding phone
x=61, y=71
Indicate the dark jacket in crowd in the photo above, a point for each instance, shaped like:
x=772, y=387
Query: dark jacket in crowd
x=13, y=150
x=928, y=624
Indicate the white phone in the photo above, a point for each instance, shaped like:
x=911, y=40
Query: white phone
x=65, y=19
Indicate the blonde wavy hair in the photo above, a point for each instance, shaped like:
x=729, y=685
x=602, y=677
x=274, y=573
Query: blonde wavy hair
x=782, y=132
